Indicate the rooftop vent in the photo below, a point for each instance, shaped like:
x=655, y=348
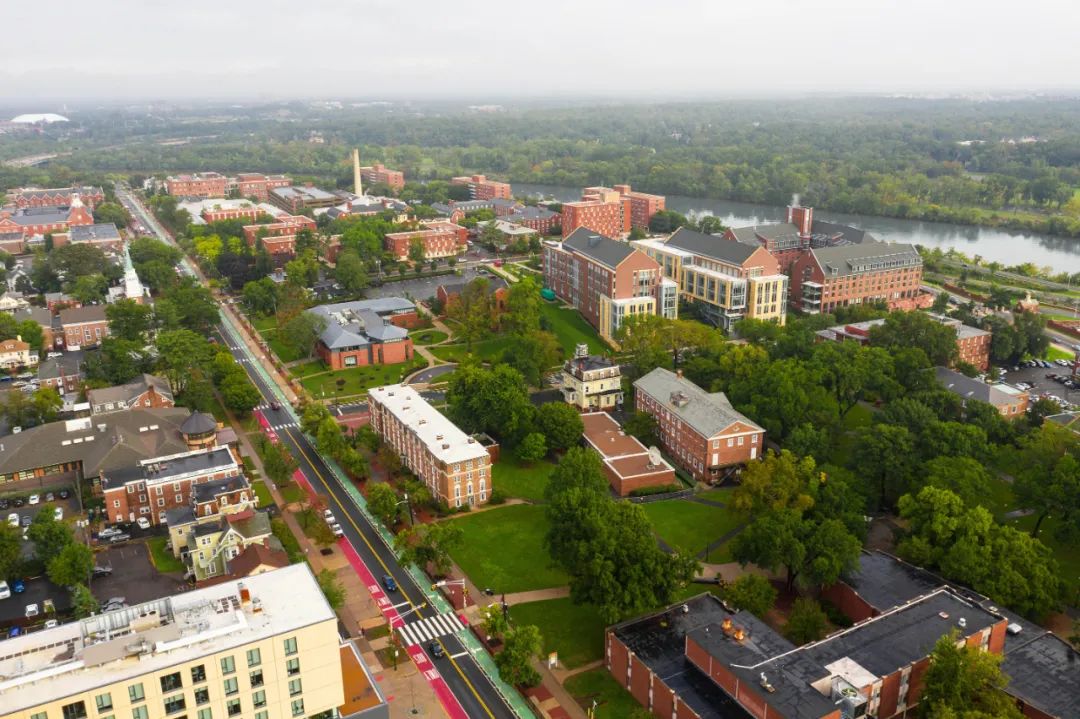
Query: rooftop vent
x=765, y=684
x=961, y=622
x=679, y=399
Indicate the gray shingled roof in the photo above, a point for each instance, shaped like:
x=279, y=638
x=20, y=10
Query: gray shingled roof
x=840, y=232
x=707, y=413
x=840, y=260
x=355, y=324
x=125, y=393
x=105, y=232
x=593, y=245
x=969, y=388
x=713, y=246
x=76, y=315
x=198, y=423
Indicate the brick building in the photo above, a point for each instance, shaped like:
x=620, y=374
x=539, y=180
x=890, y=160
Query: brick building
x=972, y=344
x=454, y=466
x=481, y=188
x=145, y=391
x=728, y=280
x=825, y=279
x=307, y=197
x=700, y=430
x=540, y=219
x=698, y=659
x=254, y=184
x=198, y=184
x=366, y=332
x=83, y=326
x=439, y=238
x=1008, y=400
x=642, y=205
x=55, y=196
x=64, y=373
x=627, y=463
x=607, y=280
x=603, y=211
x=32, y=221
x=279, y=238
x=591, y=382
x=12, y=241
x=380, y=174
x=245, y=211
x=44, y=319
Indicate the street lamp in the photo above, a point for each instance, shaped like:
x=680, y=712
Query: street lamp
x=406, y=501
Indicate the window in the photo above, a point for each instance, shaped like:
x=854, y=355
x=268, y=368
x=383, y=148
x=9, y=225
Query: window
x=175, y=704
x=292, y=667
x=254, y=658
x=140, y=713
x=136, y=693
x=231, y=686
x=207, y=713
x=39, y=715
x=290, y=645
x=258, y=699
x=170, y=682
x=198, y=674
x=228, y=665
x=104, y=702
x=202, y=696
x=77, y=710
x=297, y=707
x=295, y=687
x=257, y=678
x=730, y=442
x=262, y=715
x=233, y=707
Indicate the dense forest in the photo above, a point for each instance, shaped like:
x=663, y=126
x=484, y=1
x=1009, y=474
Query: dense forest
x=1012, y=164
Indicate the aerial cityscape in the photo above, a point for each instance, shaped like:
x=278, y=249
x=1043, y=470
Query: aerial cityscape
x=740, y=382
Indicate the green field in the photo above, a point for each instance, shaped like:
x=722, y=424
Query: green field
x=283, y=351
x=488, y=350
x=428, y=337
x=571, y=329
x=307, y=369
x=264, y=324
x=612, y=701
x=163, y=559
x=357, y=380
x=518, y=479
x=691, y=525
x=1053, y=353
x=504, y=550
x=575, y=631
x=262, y=492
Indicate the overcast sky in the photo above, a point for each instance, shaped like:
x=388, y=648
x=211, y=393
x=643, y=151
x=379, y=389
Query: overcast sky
x=471, y=48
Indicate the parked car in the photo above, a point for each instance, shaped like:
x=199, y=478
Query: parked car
x=4, y=503
x=13, y=519
x=18, y=502
x=99, y=572
x=143, y=523
x=35, y=499
x=5, y=590
x=50, y=497
x=32, y=610
x=115, y=538
x=108, y=532
x=14, y=632
x=27, y=521
x=389, y=583
x=51, y=624
x=336, y=529
x=64, y=494
x=18, y=586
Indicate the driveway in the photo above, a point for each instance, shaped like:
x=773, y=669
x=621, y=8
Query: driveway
x=133, y=577
x=427, y=375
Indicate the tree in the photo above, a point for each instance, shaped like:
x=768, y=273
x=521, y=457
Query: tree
x=111, y=213
x=916, y=329
x=779, y=481
x=81, y=259
x=751, y=593
x=964, y=476
x=129, y=320
x=560, y=424
x=71, y=566
x=532, y=448
x=533, y=354
x=260, y=296
x=494, y=622
x=382, y=500
x=812, y=551
x=416, y=251
x=1050, y=479
x=190, y=306
x=473, y=309
x=89, y=289
x=522, y=316
x=642, y=426
x=332, y=589
x=522, y=645
x=490, y=400
x=303, y=270
x=49, y=536
x=10, y=550
x=429, y=545
x=82, y=601
x=278, y=462
x=941, y=302
x=350, y=272
x=180, y=353
x=965, y=682
x=885, y=455
x=806, y=622
x=302, y=332
x=653, y=341
x=851, y=371
x=238, y=393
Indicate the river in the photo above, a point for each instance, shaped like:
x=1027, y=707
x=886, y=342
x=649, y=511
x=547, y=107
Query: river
x=1008, y=248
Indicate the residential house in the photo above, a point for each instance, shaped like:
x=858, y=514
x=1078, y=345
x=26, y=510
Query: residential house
x=144, y=391
x=1008, y=400
x=591, y=382
x=211, y=545
x=16, y=354
x=83, y=326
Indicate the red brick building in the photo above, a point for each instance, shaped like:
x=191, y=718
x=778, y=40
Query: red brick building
x=199, y=184
x=377, y=173
x=154, y=486
x=607, y=280
x=701, y=431
x=601, y=210
x=279, y=238
x=825, y=279
x=247, y=213
x=253, y=184
x=447, y=294
x=628, y=464
x=481, y=188
x=642, y=205
x=31, y=221
x=54, y=197
x=144, y=392
x=84, y=326
x=439, y=238
x=972, y=343
x=540, y=219
x=368, y=332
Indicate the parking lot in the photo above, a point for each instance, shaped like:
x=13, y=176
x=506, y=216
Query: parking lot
x=13, y=609
x=133, y=576
x=420, y=289
x=1037, y=378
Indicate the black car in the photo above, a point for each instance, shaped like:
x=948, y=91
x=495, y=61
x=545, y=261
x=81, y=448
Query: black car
x=18, y=502
x=64, y=494
x=436, y=650
x=4, y=504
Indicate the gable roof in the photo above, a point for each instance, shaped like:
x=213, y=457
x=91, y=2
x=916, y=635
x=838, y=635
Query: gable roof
x=707, y=413
x=595, y=246
x=968, y=388
x=355, y=324
x=840, y=260
x=713, y=246
x=254, y=556
x=126, y=393
x=78, y=315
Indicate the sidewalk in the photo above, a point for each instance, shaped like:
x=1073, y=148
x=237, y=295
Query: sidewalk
x=243, y=327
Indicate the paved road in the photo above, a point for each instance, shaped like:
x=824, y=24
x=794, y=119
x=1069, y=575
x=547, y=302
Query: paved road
x=469, y=684
x=431, y=373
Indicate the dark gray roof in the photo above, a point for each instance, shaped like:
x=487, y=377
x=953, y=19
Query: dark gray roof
x=604, y=250
x=1045, y=673
x=970, y=388
x=208, y=461
x=707, y=413
x=841, y=233
x=40, y=215
x=199, y=423
x=714, y=246
x=125, y=393
x=884, y=581
x=39, y=314
x=76, y=315
x=840, y=260
x=754, y=234
x=355, y=324
x=68, y=364
x=105, y=232
x=176, y=516
x=207, y=491
x=531, y=213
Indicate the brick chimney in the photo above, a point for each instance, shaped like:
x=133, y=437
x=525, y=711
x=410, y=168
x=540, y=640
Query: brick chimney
x=801, y=217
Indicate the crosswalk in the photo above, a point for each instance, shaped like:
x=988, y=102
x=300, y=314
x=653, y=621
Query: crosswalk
x=430, y=628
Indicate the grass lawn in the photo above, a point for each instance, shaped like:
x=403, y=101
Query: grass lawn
x=571, y=329
x=283, y=351
x=575, y=631
x=428, y=337
x=504, y=550
x=163, y=559
x=721, y=494
x=308, y=368
x=288, y=541
x=358, y=380
x=612, y=701
x=264, y=324
x=518, y=479
x=263, y=493
x=486, y=350
x=292, y=492
x=1053, y=353
x=858, y=416
x=1066, y=553
x=691, y=525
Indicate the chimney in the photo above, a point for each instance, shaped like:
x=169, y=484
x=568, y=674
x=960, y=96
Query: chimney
x=739, y=634
x=245, y=596
x=801, y=217
x=358, y=187
x=726, y=625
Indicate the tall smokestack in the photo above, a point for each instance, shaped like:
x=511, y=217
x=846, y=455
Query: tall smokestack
x=358, y=187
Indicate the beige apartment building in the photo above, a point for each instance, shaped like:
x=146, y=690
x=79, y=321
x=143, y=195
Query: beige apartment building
x=262, y=648
x=454, y=466
x=591, y=382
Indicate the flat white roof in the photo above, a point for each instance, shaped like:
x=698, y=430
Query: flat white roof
x=118, y=646
x=195, y=207
x=662, y=246
x=441, y=436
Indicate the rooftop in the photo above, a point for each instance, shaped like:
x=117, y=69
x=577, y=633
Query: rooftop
x=121, y=645
x=707, y=413
x=714, y=247
x=78, y=315
x=1045, y=673
x=354, y=324
x=839, y=260
x=304, y=194
x=578, y=366
x=170, y=468
x=104, y=232
x=441, y=436
x=604, y=250
x=125, y=393
x=208, y=491
x=624, y=454
x=969, y=388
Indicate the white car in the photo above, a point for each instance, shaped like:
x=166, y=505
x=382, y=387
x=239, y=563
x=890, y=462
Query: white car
x=58, y=513
x=143, y=523
x=32, y=610
x=51, y=624
x=13, y=519
x=336, y=529
x=5, y=590
x=328, y=515
x=34, y=499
